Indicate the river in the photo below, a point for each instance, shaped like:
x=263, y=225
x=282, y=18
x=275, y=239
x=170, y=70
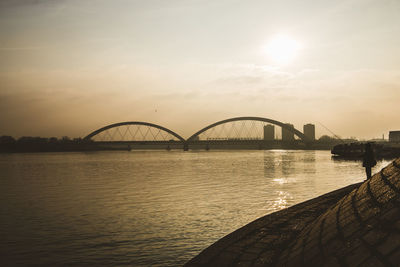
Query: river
x=143, y=208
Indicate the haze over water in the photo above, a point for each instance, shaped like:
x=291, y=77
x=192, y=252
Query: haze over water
x=145, y=208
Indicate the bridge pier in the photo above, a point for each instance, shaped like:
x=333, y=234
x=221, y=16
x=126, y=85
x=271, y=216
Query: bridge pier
x=185, y=146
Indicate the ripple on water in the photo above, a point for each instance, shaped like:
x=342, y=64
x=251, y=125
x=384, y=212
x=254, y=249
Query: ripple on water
x=148, y=208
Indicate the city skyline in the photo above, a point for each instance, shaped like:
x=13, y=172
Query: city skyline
x=70, y=67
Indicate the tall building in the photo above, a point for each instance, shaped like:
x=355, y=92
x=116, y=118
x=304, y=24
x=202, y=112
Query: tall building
x=394, y=136
x=309, y=131
x=286, y=134
x=269, y=132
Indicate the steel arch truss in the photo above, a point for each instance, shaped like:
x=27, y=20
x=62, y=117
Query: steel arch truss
x=243, y=130
x=133, y=131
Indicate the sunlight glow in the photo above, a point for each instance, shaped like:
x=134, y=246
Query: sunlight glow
x=282, y=49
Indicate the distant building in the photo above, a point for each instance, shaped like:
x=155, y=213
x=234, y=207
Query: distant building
x=394, y=136
x=269, y=132
x=286, y=134
x=309, y=131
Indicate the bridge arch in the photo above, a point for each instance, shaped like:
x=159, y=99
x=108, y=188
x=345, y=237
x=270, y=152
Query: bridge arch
x=92, y=134
x=278, y=123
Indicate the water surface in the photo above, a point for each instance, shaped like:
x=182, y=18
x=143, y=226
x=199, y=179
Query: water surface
x=144, y=208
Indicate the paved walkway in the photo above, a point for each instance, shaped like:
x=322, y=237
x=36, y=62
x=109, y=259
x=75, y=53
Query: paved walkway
x=358, y=225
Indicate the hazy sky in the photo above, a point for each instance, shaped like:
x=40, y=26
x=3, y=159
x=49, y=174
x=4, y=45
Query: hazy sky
x=70, y=67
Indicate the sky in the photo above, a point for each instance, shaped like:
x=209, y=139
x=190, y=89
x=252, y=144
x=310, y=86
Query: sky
x=70, y=67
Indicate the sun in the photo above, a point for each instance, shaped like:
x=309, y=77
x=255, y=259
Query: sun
x=282, y=49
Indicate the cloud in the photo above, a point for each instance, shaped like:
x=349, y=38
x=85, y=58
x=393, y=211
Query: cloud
x=75, y=102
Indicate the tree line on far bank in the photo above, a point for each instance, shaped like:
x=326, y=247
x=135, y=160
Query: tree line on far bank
x=40, y=144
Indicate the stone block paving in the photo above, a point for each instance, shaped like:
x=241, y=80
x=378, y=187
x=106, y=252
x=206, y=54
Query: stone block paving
x=358, y=225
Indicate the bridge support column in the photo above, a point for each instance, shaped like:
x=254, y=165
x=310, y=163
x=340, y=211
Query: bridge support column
x=185, y=146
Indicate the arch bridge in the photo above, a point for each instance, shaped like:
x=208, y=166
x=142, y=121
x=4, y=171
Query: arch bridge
x=258, y=119
x=135, y=135
x=238, y=132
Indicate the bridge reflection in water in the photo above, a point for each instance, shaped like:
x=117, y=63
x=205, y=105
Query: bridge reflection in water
x=233, y=133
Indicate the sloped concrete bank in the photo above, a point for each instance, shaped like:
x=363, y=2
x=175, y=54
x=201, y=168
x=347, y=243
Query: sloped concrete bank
x=358, y=225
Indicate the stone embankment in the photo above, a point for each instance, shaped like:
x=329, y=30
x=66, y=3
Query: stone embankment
x=358, y=225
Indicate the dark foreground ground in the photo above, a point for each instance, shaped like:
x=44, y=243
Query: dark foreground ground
x=358, y=225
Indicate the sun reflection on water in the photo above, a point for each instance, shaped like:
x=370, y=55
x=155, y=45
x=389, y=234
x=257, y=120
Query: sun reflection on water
x=284, y=180
x=282, y=201
x=280, y=180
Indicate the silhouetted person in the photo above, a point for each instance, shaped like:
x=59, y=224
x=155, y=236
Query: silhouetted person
x=368, y=159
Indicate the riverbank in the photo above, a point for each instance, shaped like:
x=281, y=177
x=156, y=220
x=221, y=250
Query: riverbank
x=355, y=151
x=260, y=241
x=349, y=226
